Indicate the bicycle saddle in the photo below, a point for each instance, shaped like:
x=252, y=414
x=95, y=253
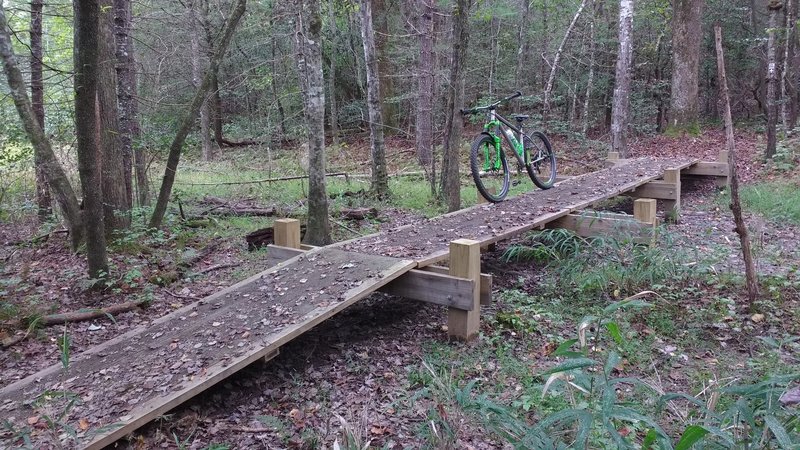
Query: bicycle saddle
x=520, y=117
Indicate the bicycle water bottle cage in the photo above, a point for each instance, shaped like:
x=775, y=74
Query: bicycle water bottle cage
x=520, y=117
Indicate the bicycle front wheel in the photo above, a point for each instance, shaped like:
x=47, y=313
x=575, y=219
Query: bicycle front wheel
x=540, y=160
x=489, y=169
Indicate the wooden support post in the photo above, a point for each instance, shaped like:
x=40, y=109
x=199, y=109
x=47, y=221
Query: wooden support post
x=644, y=210
x=465, y=262
x=672, y=208
x=287, y=233
x=723, y=157
x=612, y=156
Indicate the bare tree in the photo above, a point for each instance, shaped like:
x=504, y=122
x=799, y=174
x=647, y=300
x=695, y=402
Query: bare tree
x=115, y=164
x=424, y=104
x=787, y=100
x=522, y=43
x=622, y=80
x=87, y=59
x=187, y=122
x=590, y=76
x=730, y=146
x=43, y=153
x=197, y=12
x=312, y=85
x=687, y=37
x=380, y=179
x=126, y=97
x=557, y=59
x=772, y=78
x=333, y=119
x=451, y=185
x=43, y=200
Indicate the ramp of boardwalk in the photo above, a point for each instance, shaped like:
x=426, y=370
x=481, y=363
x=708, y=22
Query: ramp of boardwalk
x=119, y=386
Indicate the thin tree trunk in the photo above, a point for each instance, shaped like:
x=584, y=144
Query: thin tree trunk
x=43, y=153
x=43, y=200
x=522, y=45
x=687, y=37
x=424, y=114
x=187, y=122
x=126, y=97
x=334, y=117
x=736, y=206
x=772, y=78
x=590, y=76
x=622, y=83
x=309, y=65
x=87, y=54
x=557, y=59
x=274, y=77
x=380, y=26
x=195, y=18
x=380, y=179
x=114, y=163
x=451, y=185
x=216, y=104
x=785, y=97
x=493, y=50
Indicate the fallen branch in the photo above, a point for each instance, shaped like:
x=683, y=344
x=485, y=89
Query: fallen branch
x=81, y=316
x=13, y=340
x=266, y=180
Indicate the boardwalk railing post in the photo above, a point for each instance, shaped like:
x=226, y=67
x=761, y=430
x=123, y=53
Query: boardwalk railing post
x=465, y=262
x=672, y=208
x=287, y=233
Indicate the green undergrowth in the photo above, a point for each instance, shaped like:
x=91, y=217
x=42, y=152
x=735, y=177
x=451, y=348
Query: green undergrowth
x=778, y=201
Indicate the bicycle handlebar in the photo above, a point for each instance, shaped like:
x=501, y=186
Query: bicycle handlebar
x=492, y=106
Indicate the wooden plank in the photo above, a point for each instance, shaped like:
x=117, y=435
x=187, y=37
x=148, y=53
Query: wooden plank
x=486, y=282
x=595, y=225
x=465, y=262
x=662, y=190
x=277, y=254
x=708, y=169
x=433, y=288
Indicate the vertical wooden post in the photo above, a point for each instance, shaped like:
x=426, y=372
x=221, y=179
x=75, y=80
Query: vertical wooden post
x=465, y=262
x=644, y=210
x=723, y=157
x=287, y=233
x=672, y=208
x=612, y=156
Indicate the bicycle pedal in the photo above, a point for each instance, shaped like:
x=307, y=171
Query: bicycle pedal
x=515, y=182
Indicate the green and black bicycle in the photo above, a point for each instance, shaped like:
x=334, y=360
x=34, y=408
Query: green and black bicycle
x=488, y=161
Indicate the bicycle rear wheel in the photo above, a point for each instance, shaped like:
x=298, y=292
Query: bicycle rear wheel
x=540, y=160
x=489, y=169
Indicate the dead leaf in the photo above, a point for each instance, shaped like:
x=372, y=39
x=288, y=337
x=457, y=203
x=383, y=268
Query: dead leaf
x=757, y=318
x=32, y=420
x=83, y=424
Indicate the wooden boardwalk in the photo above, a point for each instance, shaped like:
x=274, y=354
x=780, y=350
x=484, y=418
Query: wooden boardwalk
x=126, y=382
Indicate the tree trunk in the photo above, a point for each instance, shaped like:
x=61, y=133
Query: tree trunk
x=424, y=114
x=590, y=76
x=187, y=122
x=216, y=104
x=309, y=64
x=273, y=78
x=87, y=121
x=622, y=80
x=687, y=37
x=522, y=45
x=736, y=206
x=126, y=97
x=451, y=182
x=43, y=153
x=557, y=59
x=380, y=179
x=43, y=201
x=114, y=163
x=334, y=116
x=196, y=17
x=786, y=98
x=380, y=21
x=772, y=78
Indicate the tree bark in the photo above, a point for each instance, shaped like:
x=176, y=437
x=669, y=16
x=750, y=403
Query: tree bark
x=380, y=22
x=114, y=163
x=43, y=200
x=187, y=122
x=380, y=179
x=736, y=206
x=43, y=153
x=424, y=113
x=126, y=97
x=334, y=109
x=786, y=98
x=309, y=65
x=451, y=186
x=590, y=76
x=87, y=124
x=687, y=37
x=196, y=18
x=622, y=80
x=557, y=59
x=772, y=78
x=522, y=45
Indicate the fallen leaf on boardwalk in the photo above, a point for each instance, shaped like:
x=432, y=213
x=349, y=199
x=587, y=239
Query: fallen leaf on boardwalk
x=32, y=420
x=83, y=424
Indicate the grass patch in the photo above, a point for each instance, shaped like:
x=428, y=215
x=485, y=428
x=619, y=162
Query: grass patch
x=775, y=200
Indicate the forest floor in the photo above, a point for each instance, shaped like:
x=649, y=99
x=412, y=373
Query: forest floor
x=383, y=370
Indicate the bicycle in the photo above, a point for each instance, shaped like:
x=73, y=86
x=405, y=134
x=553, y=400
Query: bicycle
x=488, y=161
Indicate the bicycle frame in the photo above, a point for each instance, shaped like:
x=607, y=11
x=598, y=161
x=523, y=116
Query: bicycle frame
x=507, y=129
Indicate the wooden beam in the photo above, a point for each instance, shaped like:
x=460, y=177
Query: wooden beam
x=588, y=224
x=430, y=287
x=465, y=262
x=277, y=254
x=287, y=233
x=708, y=169
x=661, y=190
x=486, y=282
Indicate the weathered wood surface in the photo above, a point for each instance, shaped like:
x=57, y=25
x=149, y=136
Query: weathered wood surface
x=132, y=379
